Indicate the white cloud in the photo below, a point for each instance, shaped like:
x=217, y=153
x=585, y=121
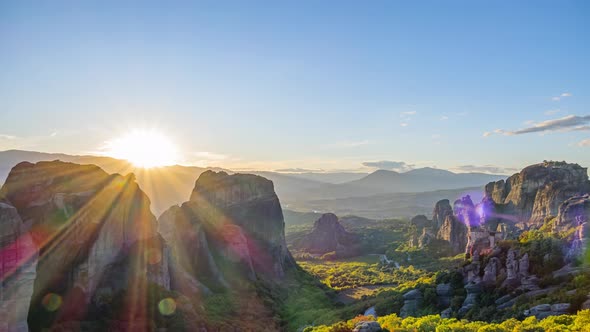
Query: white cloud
x=585, y=142
x=403, y=124
x=567, y=123
x=563, y=95
x=399, y=166
x=205, y=155
x=7, y=137
x=408, y=113
x=491, y=169
x=444, y=118
x=551, y=112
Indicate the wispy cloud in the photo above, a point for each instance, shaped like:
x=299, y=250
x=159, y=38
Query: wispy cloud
x=298, y=170
x=406, y=117
x=561, y=96
x=567, y=123
x=7, y=137
x=551, y=112
x=444, y=118
x=347, y=144
x=205, y=155
x=491, y=169
x=389, y=165
x=585, y=142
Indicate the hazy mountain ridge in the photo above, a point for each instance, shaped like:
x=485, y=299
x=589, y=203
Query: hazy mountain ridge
x=172, y=185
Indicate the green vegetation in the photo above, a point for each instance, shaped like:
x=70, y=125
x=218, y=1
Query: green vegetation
x=365, y=270
x=434, y=323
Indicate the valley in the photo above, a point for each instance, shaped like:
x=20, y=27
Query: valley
x=232, y=256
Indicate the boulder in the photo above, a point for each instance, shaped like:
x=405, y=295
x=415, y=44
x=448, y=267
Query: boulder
x=446, y=313
x=412, y=303
x=367, y=327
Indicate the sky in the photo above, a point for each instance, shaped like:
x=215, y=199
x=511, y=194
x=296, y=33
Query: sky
x=310, y=85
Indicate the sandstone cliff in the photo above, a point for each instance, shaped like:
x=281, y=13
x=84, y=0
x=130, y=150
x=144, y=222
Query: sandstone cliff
x=95, y=236
x=537, y=191
x=230, y=221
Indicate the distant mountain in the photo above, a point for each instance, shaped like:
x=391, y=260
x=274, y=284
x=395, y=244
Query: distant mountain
x=383, y=206
x=414, y=181
x=334, y=178
x=172, y=185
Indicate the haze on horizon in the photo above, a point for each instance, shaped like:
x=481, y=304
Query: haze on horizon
x=464, y=86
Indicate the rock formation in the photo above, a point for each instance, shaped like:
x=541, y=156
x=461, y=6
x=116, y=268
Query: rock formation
x=442, y=210
x=231, y=222
x=328, y=235
x=94, y=233
x=542, y=311
x=537, y=191
x=455, y=232
x=412, y=302
x=18, y=264
x=444, y=294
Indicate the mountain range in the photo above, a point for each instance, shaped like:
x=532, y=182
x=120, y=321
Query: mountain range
x=172, y=185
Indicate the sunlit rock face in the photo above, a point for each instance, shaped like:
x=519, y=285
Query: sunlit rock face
x=537, y=191
x=230, y=230
x=18, y=263
x=455, y=232
x=95, y=235
x=442, y=209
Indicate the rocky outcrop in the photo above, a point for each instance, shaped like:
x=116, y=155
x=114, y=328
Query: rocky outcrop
x=491, y=271
x=367, y=327
x=473, y=290
x=412, y=302
x=95, y=235
x=537, y=191
x=421, y=221
x=328, y=235
x=442, y=210
x=444, y=294
x=542, y=311
x=18, y=263
x=230, y=232
x=455, y=232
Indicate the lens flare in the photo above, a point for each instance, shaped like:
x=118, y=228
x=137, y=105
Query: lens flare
x=51, y=302
x=153, y=256
x=167, y=306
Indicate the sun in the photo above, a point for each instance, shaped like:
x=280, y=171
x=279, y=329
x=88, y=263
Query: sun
x=143, y=148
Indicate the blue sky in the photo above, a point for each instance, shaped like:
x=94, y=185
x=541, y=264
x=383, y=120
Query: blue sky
x=307, y=84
